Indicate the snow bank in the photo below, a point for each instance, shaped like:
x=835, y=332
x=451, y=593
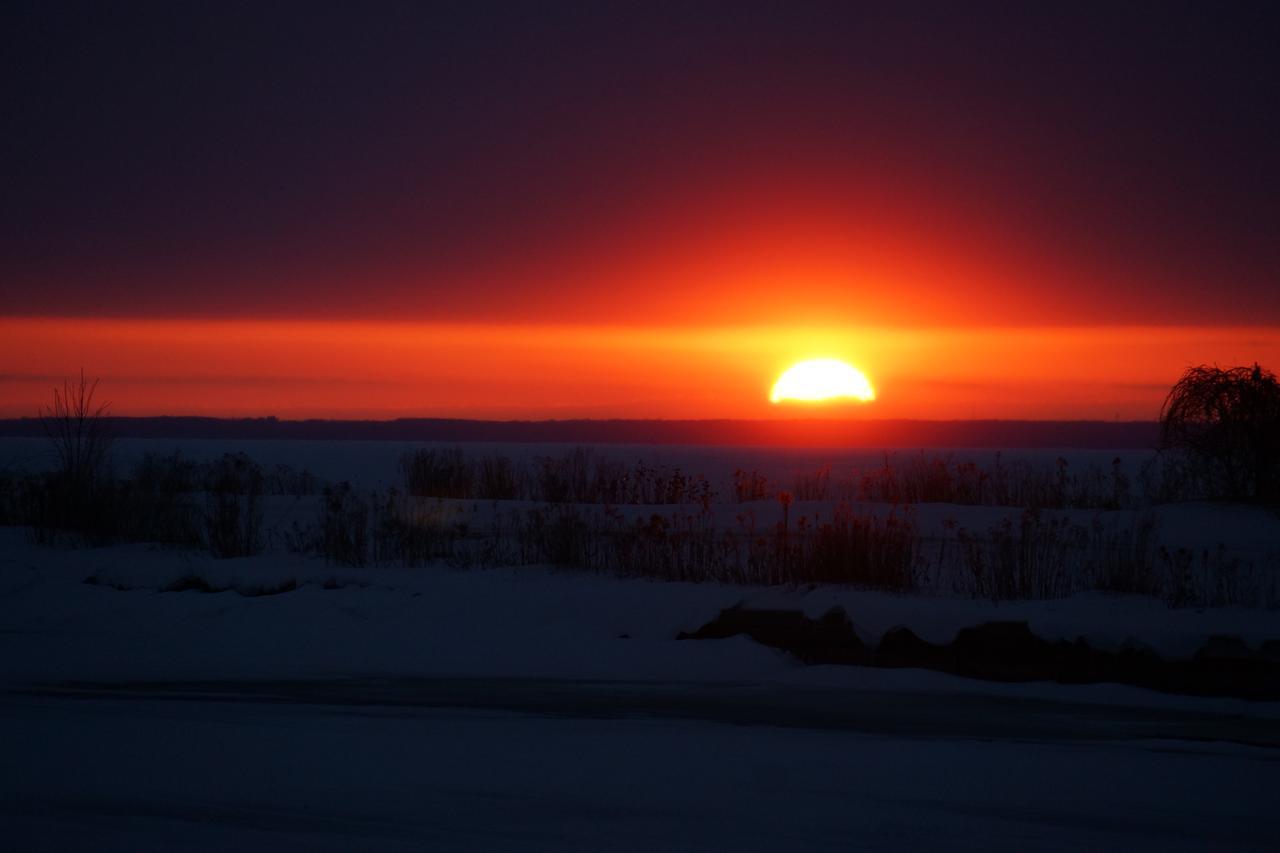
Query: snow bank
x=528, y=622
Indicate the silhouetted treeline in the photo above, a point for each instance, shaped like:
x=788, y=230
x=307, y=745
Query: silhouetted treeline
x=814, y=432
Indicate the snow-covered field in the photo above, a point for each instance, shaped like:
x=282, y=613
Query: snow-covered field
x=536, y=709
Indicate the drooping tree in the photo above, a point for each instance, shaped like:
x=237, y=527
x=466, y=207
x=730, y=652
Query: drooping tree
x=1227, y=422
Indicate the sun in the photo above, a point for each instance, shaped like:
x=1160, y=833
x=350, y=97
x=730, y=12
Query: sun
x=822, y=379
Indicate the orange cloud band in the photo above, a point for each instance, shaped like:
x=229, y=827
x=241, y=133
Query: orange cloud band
x=388, y=369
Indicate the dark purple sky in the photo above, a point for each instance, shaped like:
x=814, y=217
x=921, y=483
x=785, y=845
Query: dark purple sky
x=1111, y=163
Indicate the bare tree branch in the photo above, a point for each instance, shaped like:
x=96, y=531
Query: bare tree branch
x=77, y=429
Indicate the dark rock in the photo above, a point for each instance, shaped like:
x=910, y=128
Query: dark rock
x=1136, y=663
x=829, y=639
x=258, y=591
x=902, y=647
x=192, y=582
x=1221, y=647
x=1270, y=650
x=1079, y=662
x=1000, y=651
x=1010, y=651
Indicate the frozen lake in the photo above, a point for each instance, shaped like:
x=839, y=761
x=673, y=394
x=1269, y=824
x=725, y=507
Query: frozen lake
x=374, y=464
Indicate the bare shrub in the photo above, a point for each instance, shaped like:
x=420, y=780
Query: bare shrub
x=812, y=485
x=1213, y=577
x=1126, y=557
x=749, y=486
x=564, y=479
x=10, y=491
x=286, y=480
x=1038, y=557
x=164, y=517
x=174, y=473
x=930, y=479
x=299, y=538
x=412, y=532
x=497, y=479
x=75, y=496
x=57, y=509
x=580, y=477
x=151, y=507
x=437, y=473
x=576, y=476
x=47, y=506
x=233, y=512
x=1034, y=554
x=558, y=535
x=919, y=479
x=940, y=479
x=613, y=483
x=1167, y=477
x=168, y=473
x=676, y=547
x=77, y=429
x=862, y=550
x=344, y=526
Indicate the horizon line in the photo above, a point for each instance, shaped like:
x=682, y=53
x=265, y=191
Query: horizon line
x=587, y=419
x=808, y=432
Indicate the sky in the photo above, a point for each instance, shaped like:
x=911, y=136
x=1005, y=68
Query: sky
x=635, y=209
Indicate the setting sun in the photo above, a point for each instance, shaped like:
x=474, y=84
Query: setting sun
x=822, y=379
